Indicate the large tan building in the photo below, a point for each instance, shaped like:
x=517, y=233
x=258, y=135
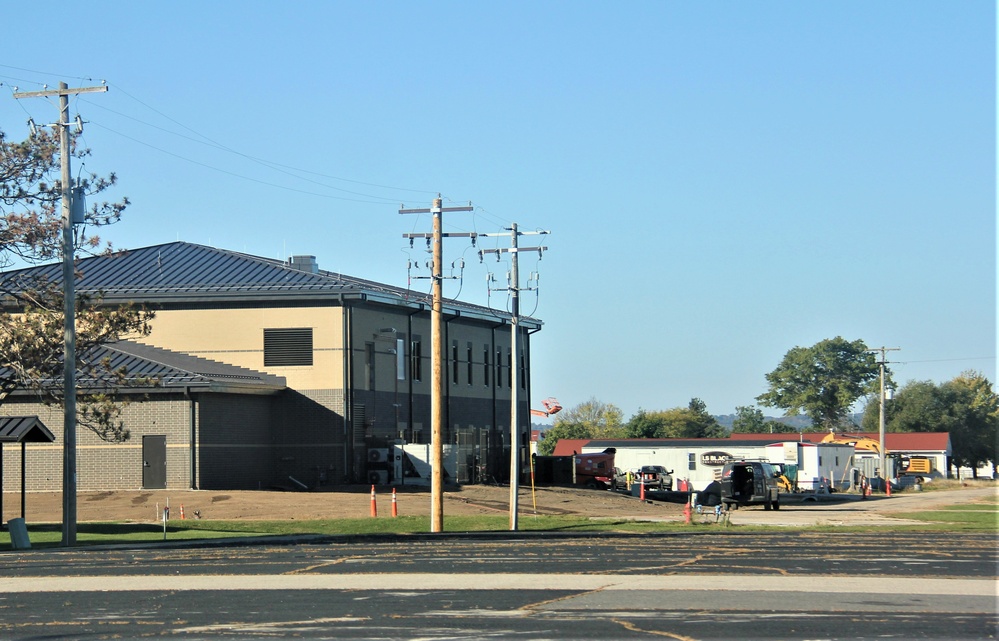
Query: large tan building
x=280, y=373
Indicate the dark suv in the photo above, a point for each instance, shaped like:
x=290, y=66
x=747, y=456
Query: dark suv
x=750, y=483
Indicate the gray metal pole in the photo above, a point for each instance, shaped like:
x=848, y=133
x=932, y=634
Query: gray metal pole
x=69, y=330
x=514, y=381
x=69, y=307
x=514, y=288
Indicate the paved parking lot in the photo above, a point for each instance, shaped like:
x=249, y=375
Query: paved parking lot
x=720, y=585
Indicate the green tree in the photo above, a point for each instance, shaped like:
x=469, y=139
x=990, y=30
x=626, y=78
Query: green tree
x=702, y=424
x=31, y=307
x=601, y=420
x=822, y=381
x=591, y=419
x=919, y=406
x=692, y=421
x=748, y=420
x=976, y=420
x=966, y=407
x=645, y=424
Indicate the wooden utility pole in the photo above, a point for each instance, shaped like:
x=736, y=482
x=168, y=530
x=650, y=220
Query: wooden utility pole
x=514, y=289
x=69, y=307
x=436, y=359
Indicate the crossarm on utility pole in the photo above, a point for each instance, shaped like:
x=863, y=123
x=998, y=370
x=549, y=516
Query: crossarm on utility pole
x=69, y=483
x=436, y=363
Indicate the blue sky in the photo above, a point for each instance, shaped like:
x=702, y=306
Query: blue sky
x=723, y=181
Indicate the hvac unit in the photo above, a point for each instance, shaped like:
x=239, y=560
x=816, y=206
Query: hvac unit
x=378, y=477
x=378, y=455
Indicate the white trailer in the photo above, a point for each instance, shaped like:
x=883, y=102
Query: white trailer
x=820, y=465
x=698, y=461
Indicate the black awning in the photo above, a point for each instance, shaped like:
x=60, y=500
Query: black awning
x=24, y=429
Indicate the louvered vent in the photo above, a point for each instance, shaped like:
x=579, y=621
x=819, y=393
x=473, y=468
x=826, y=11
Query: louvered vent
x=287, y=347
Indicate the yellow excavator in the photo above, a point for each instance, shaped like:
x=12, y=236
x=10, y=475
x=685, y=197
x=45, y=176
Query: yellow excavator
x=858, y=442
x=918, y=467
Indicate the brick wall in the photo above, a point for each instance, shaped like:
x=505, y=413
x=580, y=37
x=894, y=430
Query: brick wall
x=100, y=465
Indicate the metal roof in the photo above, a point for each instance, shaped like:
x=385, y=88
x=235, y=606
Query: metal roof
x=186, y=272
x=24, y=429
x=173, y=371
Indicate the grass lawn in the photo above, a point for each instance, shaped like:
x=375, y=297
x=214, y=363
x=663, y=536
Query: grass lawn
x=980, y=516
x=50, y=535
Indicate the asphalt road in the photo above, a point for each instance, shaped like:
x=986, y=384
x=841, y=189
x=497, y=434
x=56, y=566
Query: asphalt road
x=502, y=586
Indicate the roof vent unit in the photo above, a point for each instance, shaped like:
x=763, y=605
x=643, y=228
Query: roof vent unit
x=304, y=264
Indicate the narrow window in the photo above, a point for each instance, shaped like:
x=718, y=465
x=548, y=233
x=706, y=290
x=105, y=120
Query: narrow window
x=523, y=370
x=287, y=347
x=454, y=362
x=485, y=365
x=499, y=366
x=416, y=359
x=509, y=368
x=468, y=354
x=369, y=364
x=691, y=461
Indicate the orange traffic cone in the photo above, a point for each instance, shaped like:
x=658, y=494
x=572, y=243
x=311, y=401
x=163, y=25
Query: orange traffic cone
x=374, y=505
x=686, y=513
x=641, y=490
x=395, y=507
x=888, y=487
x=182, y=511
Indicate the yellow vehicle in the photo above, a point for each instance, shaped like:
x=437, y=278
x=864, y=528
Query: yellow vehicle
x=787, y=477
x=919, y=468
x=856, y=440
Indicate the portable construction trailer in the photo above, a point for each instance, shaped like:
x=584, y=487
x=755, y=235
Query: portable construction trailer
x=820, y=465
x=698, y=461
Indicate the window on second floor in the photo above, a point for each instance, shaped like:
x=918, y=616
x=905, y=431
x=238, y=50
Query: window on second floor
x=468, y=364
x=416, y=359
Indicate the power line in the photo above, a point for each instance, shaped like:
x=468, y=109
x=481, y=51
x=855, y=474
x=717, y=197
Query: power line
x=949, y=360
x=45, y=73
x=242, y=177
x=205, y=140
x=292, y=171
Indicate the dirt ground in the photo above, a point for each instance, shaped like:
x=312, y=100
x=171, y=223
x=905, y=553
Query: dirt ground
x=352, y=502
x=355, y=502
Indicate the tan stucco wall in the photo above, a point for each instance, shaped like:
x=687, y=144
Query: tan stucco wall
x=236, y=336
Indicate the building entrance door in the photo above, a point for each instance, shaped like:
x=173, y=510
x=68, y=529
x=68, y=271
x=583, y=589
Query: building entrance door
x=154, y=462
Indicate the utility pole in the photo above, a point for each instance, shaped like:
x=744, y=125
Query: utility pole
x=881, y=410
x=514, y=288
x=436, y=358
x=69, y=307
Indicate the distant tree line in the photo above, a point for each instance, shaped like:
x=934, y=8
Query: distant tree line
x=821, y=382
